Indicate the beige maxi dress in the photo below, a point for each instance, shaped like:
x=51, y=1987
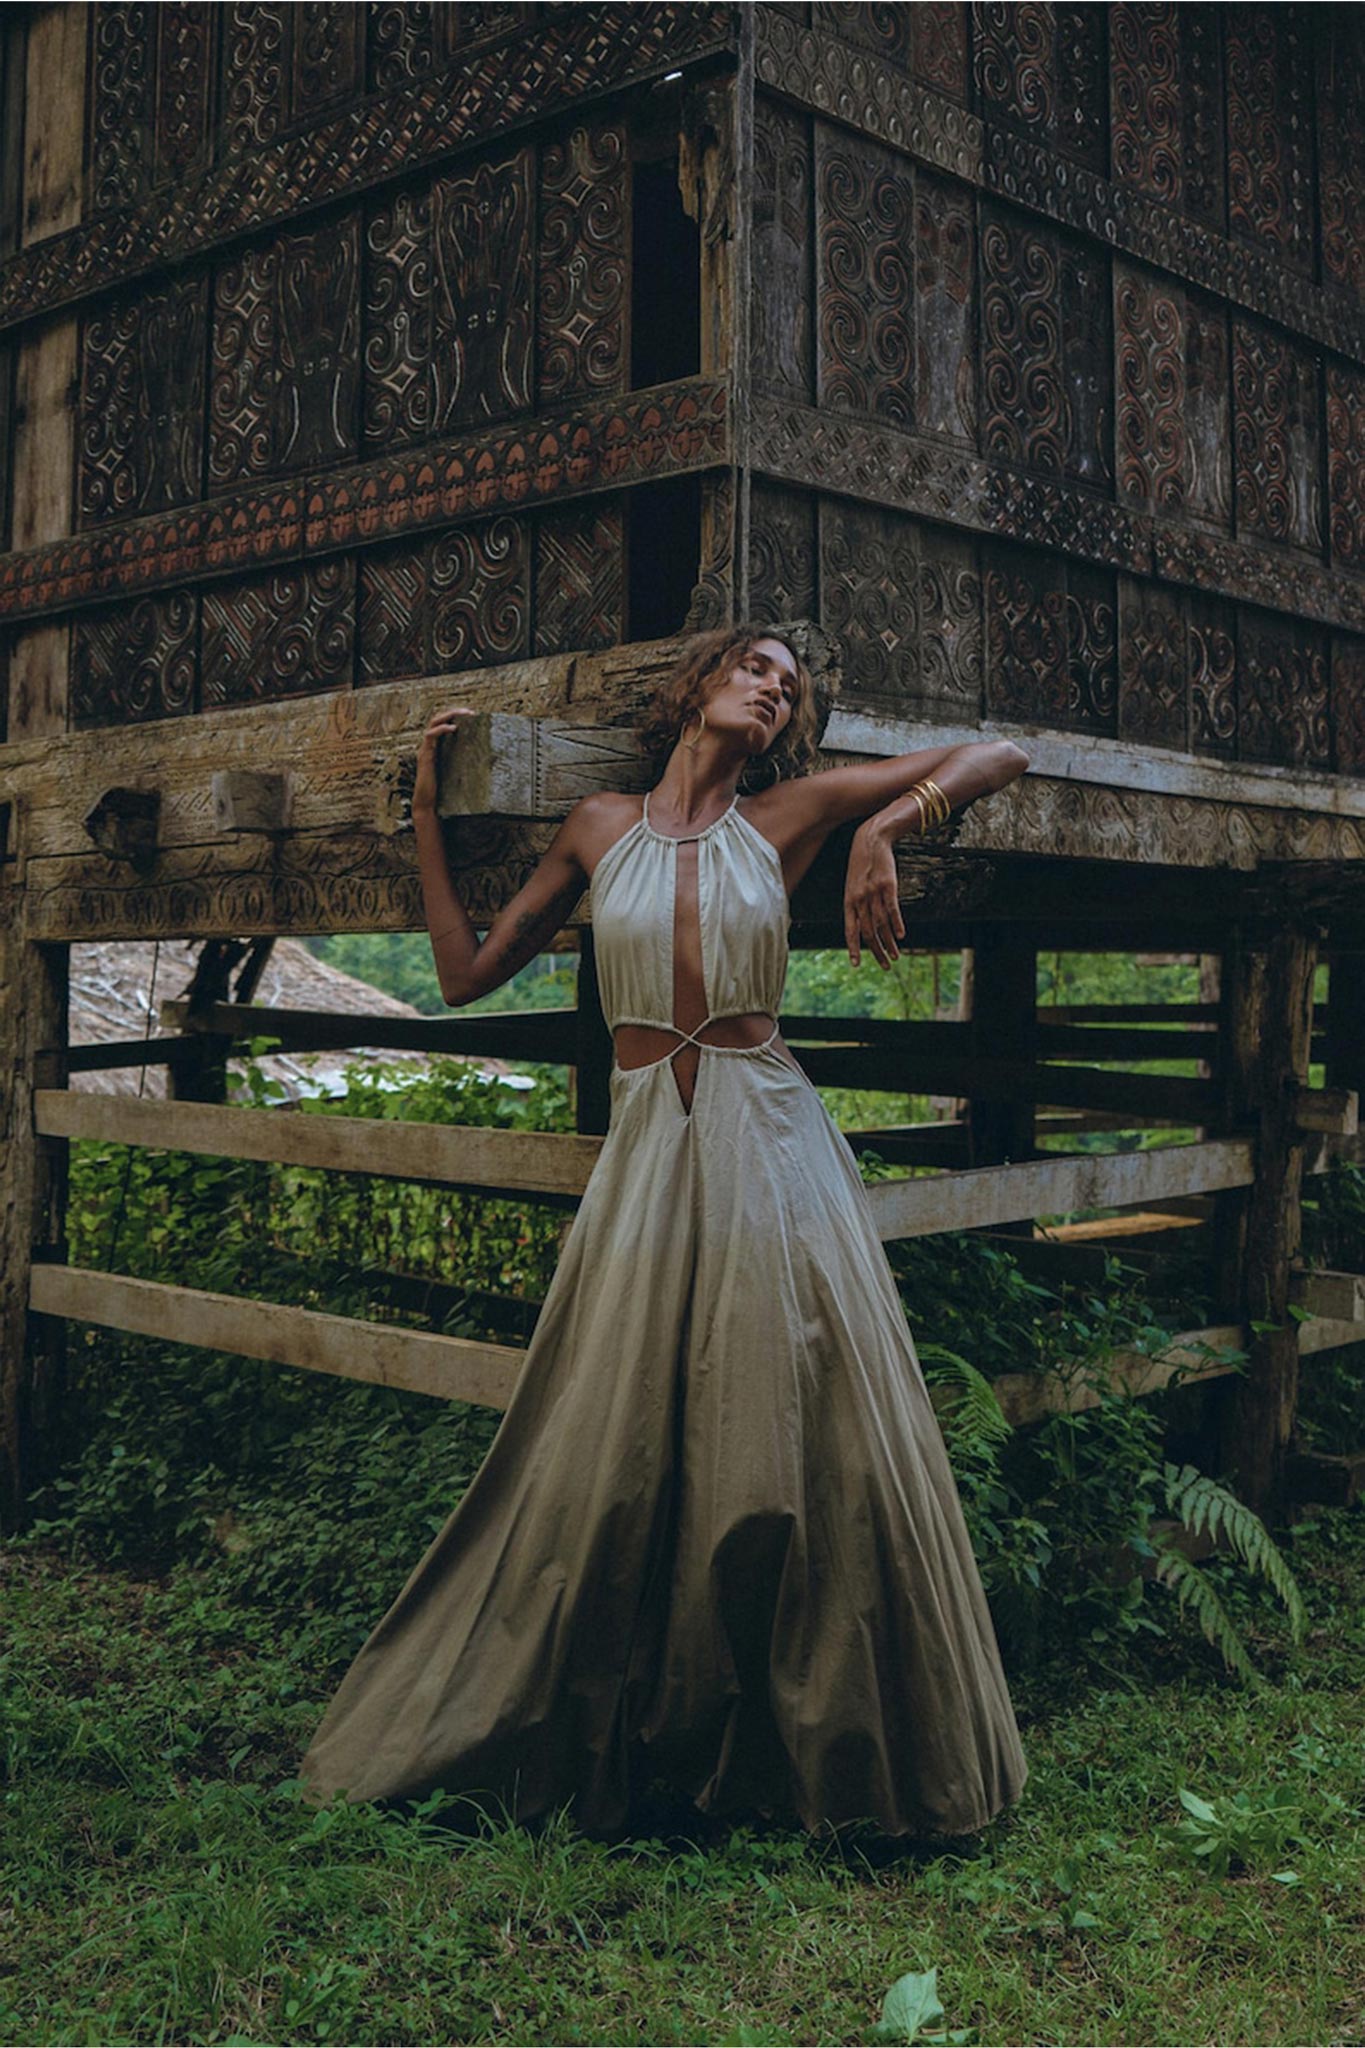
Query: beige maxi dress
x=716, y=1539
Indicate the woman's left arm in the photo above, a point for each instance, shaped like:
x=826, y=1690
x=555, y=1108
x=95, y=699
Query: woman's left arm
x=871, y=901
x=798, y=816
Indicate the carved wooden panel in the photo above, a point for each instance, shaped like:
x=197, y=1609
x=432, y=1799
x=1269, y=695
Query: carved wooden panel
x=1043, y=69
x=869, y=585
x=580, y=586
x=141, y=433
x=887, y=30
x=1082, y=67
x=122, y=83
x=952, y=638
x=1270, y=145
x=945, y=308
x=1172, y=397
x=1154, y=679
x=281, y=634
x=1046, y=362
x=1282, y=691
x=149, y=97
x=286, y=65
x=254, y=73
x=865, y=237
x=327, y=36
x=583, y=263
x=285, y=365
x=1167, y=97
x=782, y=553
x=1348, y=702
x=1213, y=675
x=399, y=372
x=942, y=38
x=1346, y=462
x=930, y=40
x=781, y=308
x=1087, y=364
x=447, y=313
x=1276, y=437
x=135, y=661
x=457, y=601
x=1341, y=142
x=184, y=72
x=1050, y=640
x=481, y=250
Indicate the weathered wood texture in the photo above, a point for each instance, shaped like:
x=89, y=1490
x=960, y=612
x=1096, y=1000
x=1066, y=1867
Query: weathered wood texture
x=452, y=1367
x=1268, y=1003
x=469, y=1156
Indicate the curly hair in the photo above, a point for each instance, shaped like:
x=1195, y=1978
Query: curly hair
x=685, y=692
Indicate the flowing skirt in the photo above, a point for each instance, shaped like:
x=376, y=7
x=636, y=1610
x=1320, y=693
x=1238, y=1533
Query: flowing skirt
x=716, y=1539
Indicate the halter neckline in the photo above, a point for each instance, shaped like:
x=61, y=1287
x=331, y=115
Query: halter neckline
x=682, y=838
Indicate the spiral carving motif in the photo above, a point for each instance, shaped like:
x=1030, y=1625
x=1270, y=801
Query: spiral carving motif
x=1152, y=458
x=1022, y=398
x=121, y=104
x=1144, y=43
x=135, y=661
x=1275, y=437
x=583, y=264
x=1269, y=147
x=866, y=294
x=277, y=635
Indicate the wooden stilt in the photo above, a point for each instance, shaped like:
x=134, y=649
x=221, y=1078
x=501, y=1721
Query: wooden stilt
x=1267, y=998
x=1004, y=1009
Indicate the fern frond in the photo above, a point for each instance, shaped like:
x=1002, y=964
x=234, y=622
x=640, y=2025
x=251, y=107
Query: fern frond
x=1202, y=1504
x=979, y=1423
x=1194, y=1589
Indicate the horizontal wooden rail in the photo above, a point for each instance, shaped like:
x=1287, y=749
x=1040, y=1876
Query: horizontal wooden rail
x=511, y=1034
x=457, y=1369
x=1031, y=1396
x=1098, y=1180
x=544, y=1163
x=453, y=1368
x=537, y=1163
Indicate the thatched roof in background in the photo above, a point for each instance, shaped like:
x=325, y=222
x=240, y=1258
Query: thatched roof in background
x=112, y=997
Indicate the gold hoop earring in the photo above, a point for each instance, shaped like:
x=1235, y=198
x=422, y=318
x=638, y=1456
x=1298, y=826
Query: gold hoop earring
x=692, y=745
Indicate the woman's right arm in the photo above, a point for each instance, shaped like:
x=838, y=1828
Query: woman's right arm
x=465, y=968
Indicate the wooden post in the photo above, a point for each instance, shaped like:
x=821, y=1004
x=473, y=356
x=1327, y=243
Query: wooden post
x=33, y=977
x=1004, y=1017
x=593, y=1056
x=1267, y=1010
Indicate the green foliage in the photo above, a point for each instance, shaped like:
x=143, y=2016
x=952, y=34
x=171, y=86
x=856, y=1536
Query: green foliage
x=401, y=964
x=1203, y=1507
x=1246, y=1829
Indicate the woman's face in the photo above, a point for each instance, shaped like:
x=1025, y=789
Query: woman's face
x=758, y=695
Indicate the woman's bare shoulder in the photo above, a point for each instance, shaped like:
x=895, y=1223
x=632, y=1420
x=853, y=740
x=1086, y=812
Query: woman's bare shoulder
x=596, y=822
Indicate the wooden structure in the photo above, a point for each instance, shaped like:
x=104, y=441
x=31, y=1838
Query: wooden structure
x=358, y=357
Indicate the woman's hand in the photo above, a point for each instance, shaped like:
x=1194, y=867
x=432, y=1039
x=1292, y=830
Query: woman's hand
x=424, y=788
x=872, y=911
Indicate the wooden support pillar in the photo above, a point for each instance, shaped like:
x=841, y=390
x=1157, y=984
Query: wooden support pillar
x=1004, y=1020
x=40, y=460
x=1264, y=1041
x=593, y=1049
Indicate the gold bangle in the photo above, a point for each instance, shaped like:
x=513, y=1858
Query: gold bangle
x=943, y=808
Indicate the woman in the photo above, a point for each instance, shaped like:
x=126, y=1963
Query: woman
x=716, y=1539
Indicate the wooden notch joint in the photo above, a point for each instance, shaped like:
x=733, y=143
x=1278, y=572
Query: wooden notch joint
x=1334, y=1110
x=252, y=800
x=123, y=824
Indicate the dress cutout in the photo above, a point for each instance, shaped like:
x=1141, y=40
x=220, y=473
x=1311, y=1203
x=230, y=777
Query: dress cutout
x=716, y=1539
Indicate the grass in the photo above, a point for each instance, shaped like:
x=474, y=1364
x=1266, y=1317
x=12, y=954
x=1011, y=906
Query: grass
x=160, y=1880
